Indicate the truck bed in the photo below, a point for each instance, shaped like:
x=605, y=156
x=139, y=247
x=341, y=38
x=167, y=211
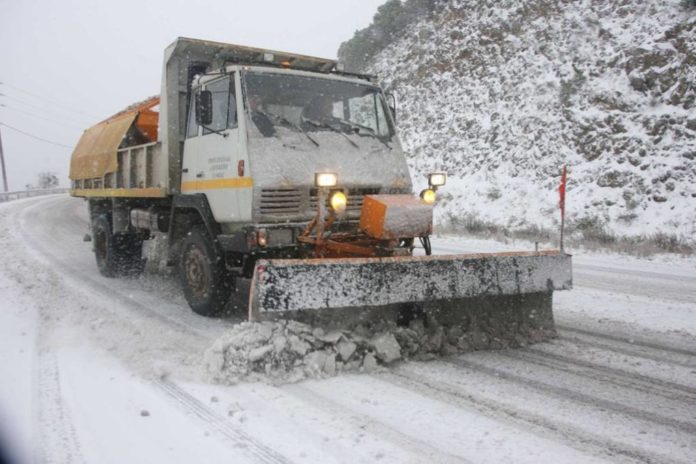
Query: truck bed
x=142, y=172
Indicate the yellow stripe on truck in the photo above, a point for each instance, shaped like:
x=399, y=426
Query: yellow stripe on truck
x=213, y=184
x=151, y=192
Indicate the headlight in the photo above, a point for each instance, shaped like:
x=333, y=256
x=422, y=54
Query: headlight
x=437, y=179
x=428, y=196
x=325, y=179
x=338, y=202
x=261, y=237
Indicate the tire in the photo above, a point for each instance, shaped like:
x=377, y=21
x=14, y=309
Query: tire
x=204, y=279
x=116, y=254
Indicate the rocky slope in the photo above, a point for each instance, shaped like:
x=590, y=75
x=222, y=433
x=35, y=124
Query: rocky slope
x=501, y=94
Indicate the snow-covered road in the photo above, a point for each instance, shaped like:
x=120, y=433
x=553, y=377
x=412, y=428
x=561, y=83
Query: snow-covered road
x=110, y=371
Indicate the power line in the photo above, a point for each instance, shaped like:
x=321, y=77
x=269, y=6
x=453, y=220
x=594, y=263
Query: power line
x=35, y=136
x=43, y=108
x=29, y=113
x=44, y=99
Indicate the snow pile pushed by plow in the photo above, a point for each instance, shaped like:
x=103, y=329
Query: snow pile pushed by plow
x=289, y=351
x=319, y=317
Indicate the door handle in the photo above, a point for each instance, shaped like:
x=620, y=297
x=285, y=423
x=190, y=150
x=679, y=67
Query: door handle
x=184, y=170
x=199, y=175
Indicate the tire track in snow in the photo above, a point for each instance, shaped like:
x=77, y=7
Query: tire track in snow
x=374, y=427
x=238, y=438
x=578, y=397
x=57, y=436
x=637, y=348
x=621, y=378
x=630, y=341
x=541, y=425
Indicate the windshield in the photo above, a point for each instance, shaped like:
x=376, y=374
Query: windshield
x=311, y=104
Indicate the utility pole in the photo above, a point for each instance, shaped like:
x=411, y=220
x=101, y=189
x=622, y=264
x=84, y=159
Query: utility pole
x=2, y=162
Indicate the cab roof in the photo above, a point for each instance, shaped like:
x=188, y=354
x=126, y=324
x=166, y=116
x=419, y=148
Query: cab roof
x=220, y=55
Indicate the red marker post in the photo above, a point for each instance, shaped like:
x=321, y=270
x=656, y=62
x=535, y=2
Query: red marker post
x=561, y=203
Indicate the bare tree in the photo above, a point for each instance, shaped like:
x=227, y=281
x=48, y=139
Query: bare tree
x=47, y=180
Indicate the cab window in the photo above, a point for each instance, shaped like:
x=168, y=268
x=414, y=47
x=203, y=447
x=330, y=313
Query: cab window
x=224, y=105
x=192, y=129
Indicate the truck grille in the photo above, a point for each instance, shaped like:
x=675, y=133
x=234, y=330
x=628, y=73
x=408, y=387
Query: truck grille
x=355, y=198
x=280, y=201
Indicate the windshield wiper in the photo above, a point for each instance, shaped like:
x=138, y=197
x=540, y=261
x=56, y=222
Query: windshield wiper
x=284, y=121
x=359, y=127
x=370, y=131
x=329, y=126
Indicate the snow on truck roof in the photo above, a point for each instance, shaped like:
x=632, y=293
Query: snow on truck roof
x=239, y=54
x=220, y=54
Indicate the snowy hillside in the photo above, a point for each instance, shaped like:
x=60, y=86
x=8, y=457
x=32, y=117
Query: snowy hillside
x=501, y=94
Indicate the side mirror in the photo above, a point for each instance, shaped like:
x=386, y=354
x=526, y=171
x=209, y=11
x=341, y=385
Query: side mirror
x=391, y=103
x=204, y=108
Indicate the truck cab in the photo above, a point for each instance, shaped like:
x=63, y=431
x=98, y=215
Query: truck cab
x=256, y=136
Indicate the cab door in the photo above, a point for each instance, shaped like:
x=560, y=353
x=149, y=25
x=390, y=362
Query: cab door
x=212, y=153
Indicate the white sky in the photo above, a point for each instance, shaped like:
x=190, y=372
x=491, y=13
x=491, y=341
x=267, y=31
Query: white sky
x=97, y=57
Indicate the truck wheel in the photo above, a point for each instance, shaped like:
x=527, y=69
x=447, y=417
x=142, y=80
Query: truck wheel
x=206, y=283
x=116, y=254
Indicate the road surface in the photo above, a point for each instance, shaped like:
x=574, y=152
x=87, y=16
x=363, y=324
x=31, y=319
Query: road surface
x=110, y=371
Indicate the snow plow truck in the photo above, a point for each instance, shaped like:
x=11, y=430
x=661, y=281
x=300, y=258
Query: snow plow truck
x=279, y=185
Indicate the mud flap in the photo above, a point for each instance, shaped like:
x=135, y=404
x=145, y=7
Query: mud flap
x=299, y=288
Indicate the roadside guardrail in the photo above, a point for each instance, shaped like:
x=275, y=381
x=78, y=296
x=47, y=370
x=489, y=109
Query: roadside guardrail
x=9, y=196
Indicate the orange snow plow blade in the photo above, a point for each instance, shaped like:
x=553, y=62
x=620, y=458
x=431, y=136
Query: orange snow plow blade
x=516, y=287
